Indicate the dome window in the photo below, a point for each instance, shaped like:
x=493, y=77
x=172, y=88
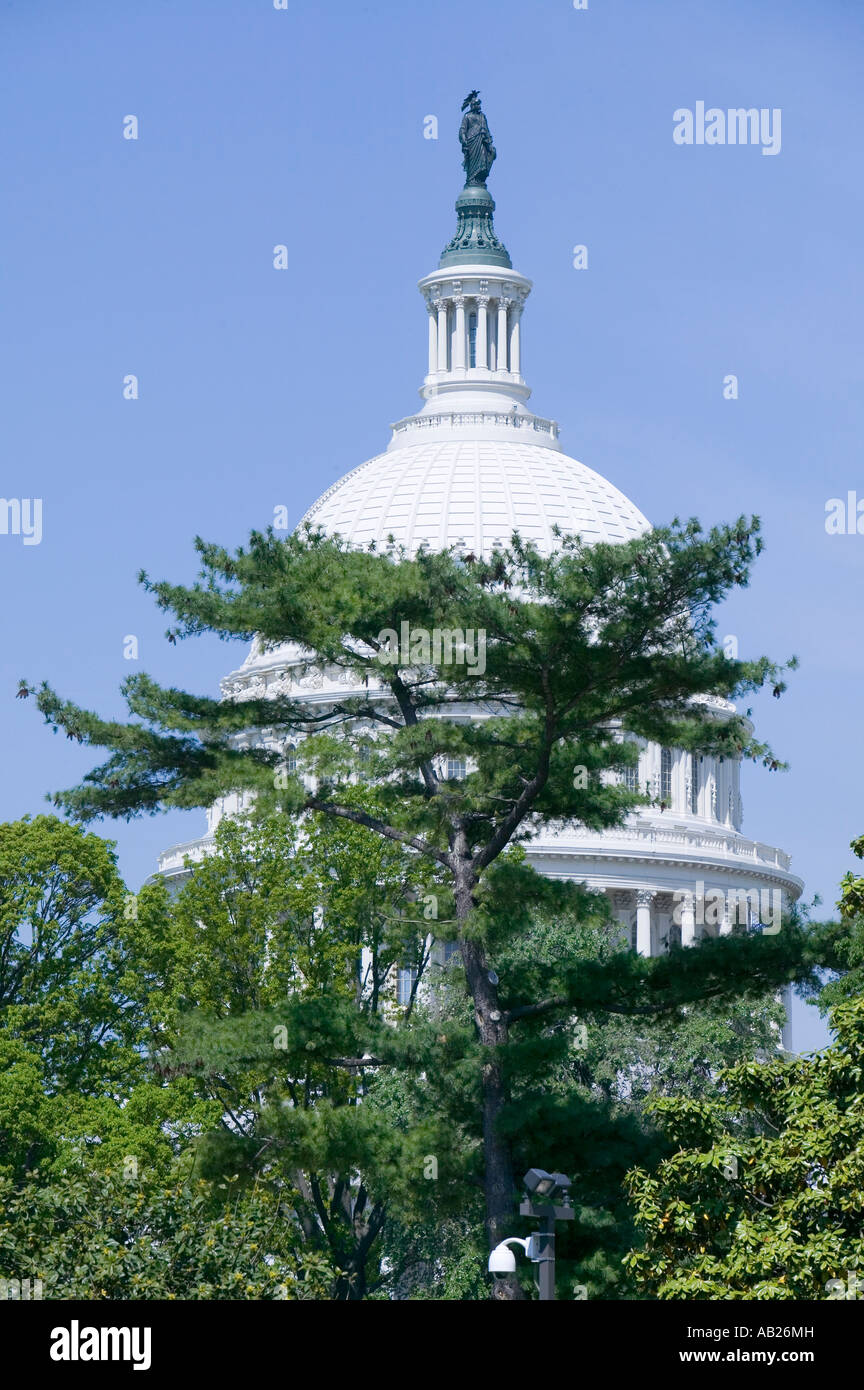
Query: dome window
x=666, y=775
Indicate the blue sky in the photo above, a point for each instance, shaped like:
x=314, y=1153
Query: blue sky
x=260, y=388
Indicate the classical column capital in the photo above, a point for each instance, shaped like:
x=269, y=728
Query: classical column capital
x=644, y=899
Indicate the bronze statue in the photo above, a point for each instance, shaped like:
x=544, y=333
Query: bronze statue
x=478, y=152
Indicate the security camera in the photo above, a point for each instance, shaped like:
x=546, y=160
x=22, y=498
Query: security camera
x=541, y=1184
x=502, y=1260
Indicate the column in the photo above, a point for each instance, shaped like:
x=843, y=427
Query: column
x=644, y=900
x=441, y=306
x=681, y=770
x=722, y=791
x=482, y=331
x=688, y=920
x=459, y=357
x=514, y=339
x=433, y=342
x=501, y=362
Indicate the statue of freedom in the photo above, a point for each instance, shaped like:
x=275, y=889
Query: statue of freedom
x=478, y=152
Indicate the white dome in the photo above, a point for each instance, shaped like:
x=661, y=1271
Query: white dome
x=474, y=493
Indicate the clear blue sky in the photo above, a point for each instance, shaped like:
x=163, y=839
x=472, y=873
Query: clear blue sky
x=305, y=127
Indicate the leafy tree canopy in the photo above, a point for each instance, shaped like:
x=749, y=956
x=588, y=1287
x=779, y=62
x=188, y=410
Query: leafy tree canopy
x=764, y=1195
x=584, y=651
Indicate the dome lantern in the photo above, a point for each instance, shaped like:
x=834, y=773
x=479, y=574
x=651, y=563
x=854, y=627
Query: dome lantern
x=474, y=301
x=474, y=465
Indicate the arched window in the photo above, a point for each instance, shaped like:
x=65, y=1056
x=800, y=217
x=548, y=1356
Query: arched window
x=291, y=758
x=666, y=775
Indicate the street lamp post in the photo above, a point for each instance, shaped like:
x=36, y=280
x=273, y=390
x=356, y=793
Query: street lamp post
x=543, y=1188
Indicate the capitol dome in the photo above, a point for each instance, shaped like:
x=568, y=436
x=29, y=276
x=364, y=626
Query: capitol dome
x=473, y=493
x=474, y=464
x=470, y=468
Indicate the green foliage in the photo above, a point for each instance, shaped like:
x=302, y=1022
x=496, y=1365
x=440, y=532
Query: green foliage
x=76, y=1012
x=585, y=650
x=583, y=1079
x=94, y=1236
x=281, y=999
x=764, y=1195
x=609, y=632
x=841, y=943
x=268, y=1054
x=61, y=950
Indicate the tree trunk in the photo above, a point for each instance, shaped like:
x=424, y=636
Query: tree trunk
x=498, y=1180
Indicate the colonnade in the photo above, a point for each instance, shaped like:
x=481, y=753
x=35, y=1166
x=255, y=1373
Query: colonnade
x=685, y=905
x=474, y=331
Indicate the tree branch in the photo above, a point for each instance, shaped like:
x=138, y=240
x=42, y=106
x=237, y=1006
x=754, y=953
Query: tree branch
x=380, y=827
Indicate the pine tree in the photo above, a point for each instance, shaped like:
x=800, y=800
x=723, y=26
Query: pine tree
x=583, y=651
